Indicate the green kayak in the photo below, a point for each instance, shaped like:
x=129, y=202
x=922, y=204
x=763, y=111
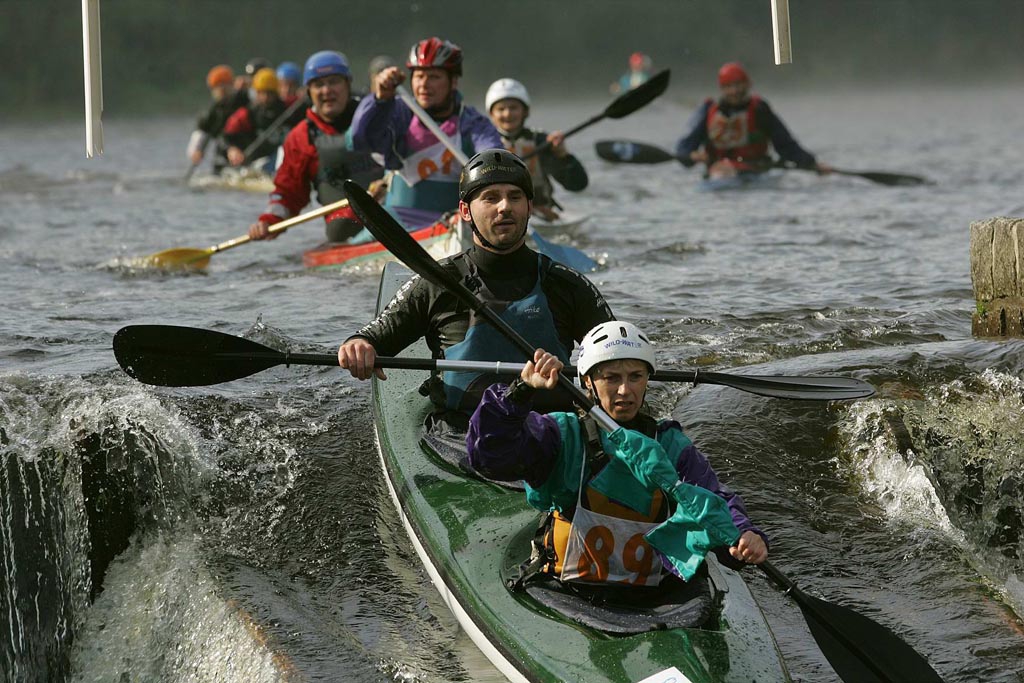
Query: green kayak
x=471, y=536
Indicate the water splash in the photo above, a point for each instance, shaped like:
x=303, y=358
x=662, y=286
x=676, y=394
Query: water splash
x=951, y=461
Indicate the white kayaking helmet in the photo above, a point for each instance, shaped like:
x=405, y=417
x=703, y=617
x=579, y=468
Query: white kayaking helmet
x=506, y=89
x=614, y=340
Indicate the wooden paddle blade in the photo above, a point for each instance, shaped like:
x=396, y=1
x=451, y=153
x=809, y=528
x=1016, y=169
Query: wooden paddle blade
x=629, y=102
x=776, y=386
x=172, y=356
x=629, y=152
x=174, y=259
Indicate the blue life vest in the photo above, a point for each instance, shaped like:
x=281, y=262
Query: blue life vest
x=530, y=316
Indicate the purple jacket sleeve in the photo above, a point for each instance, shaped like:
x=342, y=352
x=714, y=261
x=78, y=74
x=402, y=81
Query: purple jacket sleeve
x=379, y=126
x=479, y=129
x=507, y=441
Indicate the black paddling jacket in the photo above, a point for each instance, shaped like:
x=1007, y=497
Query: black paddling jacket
x=568, y=171
x=422, y=309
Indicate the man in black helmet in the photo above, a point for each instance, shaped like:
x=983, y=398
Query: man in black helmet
x=550, y=304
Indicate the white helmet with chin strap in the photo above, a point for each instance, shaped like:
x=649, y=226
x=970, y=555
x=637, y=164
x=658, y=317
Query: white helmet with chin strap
x=505, y=89
x=614, y=340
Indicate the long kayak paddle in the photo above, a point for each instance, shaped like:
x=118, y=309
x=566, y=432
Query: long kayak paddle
x=630, y=152
x=623, y=105
x=173, y=356
x=566, y=255
x=858, y=648
x=197, y=259
x=844, y=653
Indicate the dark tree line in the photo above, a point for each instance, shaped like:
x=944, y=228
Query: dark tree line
x=156, y=52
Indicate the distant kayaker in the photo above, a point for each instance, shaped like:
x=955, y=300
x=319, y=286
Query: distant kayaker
x=639, y=73
x=425, y=184
x=508, y=104
x=317, y=154
x=734, y=134
x=646, y=485
x=548, y=303
x=210, y=125
x=248, y=123
x=243, y=81
x=289, y=88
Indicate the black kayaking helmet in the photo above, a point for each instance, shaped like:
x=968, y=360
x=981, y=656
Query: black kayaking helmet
x=491, y=167
x=255, y=64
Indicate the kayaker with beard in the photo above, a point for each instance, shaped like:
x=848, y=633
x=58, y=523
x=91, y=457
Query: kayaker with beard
x=317, y=154
x=646, y=485
x=735, y=133
x=508, y=104
x=210, y=125
x=247, y=123
x=425, y=183
x=549, y=304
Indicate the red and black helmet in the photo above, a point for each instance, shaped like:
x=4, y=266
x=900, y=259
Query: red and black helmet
x=436, y=53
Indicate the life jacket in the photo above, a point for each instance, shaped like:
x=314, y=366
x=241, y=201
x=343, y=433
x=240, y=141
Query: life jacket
x=522, y=145
x=337, y=162
x=602, y=540
x=735, y=136
x=531, y=315
x=429, y=176
x=262, y=117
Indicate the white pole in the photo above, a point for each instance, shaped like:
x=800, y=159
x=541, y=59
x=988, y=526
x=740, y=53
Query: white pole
x=93, y=77
x=780, y=32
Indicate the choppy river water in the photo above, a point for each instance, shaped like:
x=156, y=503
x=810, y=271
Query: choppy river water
x=251, y=535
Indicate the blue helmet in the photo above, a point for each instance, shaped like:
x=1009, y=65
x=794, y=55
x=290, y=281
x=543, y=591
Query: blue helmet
x=289, y=71
x=325, y=63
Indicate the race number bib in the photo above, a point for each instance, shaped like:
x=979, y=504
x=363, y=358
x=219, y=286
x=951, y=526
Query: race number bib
x=603, y=549
x=727, y=132
x=435, y=162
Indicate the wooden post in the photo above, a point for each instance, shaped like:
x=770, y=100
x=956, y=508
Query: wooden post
x=780, y=32
x=997, y=274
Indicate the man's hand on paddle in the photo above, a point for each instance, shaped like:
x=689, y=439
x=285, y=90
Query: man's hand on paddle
x=750, y=548
x=556, y=140
x=260, y=230
x=387, y=80
x=542, y=371
x=358, y=356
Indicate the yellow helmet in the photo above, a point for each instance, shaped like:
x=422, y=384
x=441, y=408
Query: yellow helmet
x=264, y=80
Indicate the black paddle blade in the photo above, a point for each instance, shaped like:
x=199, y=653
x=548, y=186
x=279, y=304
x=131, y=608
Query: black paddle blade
x=629, y=102
x=629, y=152
x=393, y=236
x=858, y=648
x=797, y=388
x=892, y=179
x=171, y=356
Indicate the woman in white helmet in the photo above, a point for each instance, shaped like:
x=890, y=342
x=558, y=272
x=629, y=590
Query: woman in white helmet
x=508, y=104
x=634, y=506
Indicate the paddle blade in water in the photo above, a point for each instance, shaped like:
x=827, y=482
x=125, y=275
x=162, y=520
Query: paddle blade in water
x=171, y=356
x=639, y=96
x=860, y=649
x=173, y=259
x=798, y=388
x=883, y=178
x=629, y=152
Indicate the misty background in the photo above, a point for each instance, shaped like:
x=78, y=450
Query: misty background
x=156, y=53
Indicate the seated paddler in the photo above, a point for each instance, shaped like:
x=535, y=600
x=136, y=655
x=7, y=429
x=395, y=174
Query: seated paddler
x=551, y=305
x=628, y=507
